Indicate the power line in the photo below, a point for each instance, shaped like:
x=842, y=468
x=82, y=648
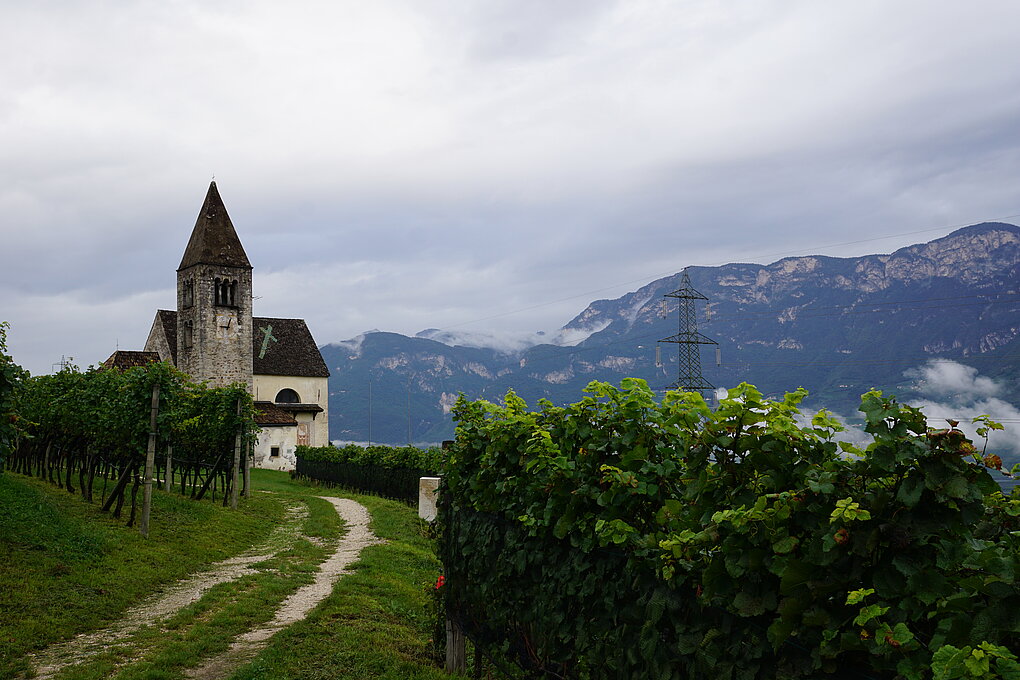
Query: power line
x=964, y=419
x=687, y=339
x=809, y=308
x=876, y=362
x=905, y=233
x=855, y=312
x=652, y=277
x=633, y=338
x=833, y=362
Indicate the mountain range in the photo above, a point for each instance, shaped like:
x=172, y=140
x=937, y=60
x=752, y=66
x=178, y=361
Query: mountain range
x=837, y=326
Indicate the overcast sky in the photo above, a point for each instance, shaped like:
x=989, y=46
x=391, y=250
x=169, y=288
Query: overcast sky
x=481, y=166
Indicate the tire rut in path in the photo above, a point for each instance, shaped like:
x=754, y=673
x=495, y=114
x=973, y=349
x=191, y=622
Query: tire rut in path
x=54, y=659
x=301, y=601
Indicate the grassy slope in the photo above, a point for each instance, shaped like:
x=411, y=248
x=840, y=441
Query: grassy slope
x=68, y=569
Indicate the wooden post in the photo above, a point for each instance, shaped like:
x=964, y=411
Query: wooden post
x=234, y=487
x=150, y=463
x=169, y=467
x=247, y=470
x=456, y=650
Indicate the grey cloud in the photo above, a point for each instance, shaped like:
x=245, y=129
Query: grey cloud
x=962, y=383
x=430, y=164
x=950, y=390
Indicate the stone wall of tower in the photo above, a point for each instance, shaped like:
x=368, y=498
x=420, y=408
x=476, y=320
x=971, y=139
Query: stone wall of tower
x=214, y=327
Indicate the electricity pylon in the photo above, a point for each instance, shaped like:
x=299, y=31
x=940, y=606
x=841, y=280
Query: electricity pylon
x=688, y=339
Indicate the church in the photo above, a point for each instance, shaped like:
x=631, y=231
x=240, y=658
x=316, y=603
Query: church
x=213, y=337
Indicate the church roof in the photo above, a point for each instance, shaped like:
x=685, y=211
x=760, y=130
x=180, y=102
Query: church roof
x=268, y=414
x=285, y=347
x=301, y=408
x=168, y=319
x=289, y=348
x=213, y=240
x=124, y=359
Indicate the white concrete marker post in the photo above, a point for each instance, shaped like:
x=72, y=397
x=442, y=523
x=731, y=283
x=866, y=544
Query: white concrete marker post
x=428, y=488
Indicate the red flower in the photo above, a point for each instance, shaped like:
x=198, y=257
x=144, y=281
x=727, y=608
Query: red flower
x=440, y=581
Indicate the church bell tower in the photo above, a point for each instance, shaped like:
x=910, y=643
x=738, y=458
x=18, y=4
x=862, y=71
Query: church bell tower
x=214, y=315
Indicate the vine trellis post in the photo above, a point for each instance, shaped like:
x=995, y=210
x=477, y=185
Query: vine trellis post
x=150, y=463
x=235, y=481
x=169, y=467
x=247, y=469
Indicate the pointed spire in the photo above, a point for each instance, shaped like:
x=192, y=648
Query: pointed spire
x=213, y=240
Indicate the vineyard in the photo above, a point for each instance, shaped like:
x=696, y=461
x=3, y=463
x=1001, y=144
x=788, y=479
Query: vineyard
x=11, y=376
x=388, y=471
x=622, y=536
x=96, y=432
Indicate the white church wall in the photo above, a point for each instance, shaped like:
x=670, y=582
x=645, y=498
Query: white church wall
x=284, y=439
x=310, y=390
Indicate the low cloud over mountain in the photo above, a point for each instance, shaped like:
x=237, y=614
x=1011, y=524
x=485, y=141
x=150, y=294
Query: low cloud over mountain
x=950, y=390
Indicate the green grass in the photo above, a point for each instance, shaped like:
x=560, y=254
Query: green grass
x=70, y=568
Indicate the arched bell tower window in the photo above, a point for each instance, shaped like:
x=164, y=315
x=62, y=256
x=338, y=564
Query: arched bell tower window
x=225, y=292
x=287, y=396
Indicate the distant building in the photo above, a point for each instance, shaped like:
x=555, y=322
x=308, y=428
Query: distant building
x=213, y=337
x=124, y=359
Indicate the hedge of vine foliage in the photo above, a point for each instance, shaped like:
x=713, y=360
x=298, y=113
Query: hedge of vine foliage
x=389, y=471
x=80, y=429
x=11, y=377
x=620, y=537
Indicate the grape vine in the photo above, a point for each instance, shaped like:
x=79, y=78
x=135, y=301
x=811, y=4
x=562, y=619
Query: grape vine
x=390, y=471
x=86, y=431
x=11, y=378
x=626, y=537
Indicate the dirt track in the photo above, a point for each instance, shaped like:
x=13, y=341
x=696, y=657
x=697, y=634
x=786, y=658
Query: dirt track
x=304, y=599
x=163, y=605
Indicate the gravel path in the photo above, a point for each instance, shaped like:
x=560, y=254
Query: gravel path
x=304, y=599
x=294, y=608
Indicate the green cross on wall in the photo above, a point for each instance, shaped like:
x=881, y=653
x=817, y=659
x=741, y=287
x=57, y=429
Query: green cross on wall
x=268, y=337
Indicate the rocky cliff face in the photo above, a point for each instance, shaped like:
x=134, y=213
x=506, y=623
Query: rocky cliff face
x=838, y=326
x=978, y=257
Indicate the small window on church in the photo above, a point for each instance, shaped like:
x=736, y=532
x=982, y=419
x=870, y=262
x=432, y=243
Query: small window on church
x=188, y=296
x=274, y=452
x=186, y=332
x=287, y=396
